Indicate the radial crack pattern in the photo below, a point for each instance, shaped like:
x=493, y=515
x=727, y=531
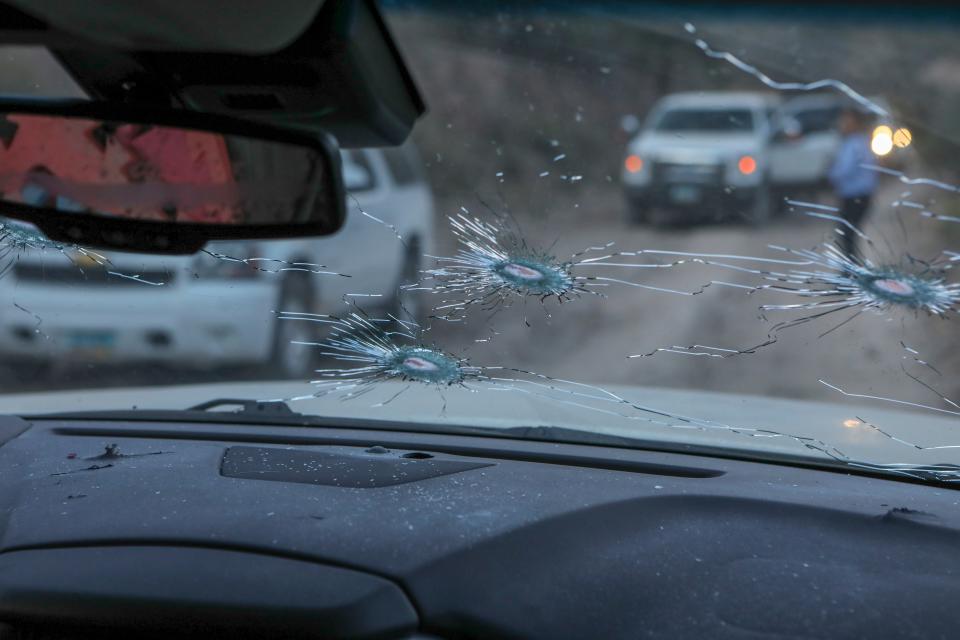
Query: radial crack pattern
x=17, y=240
x=275, y=265
x=826, y=282
x=373, y=355
x=495, y=265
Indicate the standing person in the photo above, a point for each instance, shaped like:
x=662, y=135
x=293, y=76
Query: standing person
x=853, y=183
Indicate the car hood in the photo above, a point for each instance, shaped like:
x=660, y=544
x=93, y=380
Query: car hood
x=738, y=423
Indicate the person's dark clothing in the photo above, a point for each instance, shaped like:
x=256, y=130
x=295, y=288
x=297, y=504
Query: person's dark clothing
x=854, y=184
x=853, y=210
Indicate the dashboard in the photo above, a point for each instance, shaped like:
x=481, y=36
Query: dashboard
x=147, y=529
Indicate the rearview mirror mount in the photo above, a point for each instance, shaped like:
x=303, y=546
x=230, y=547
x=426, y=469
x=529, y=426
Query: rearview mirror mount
x=162, y=181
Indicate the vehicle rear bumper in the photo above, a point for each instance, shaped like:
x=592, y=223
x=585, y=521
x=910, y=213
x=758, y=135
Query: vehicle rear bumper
x=203, y=324
x=638, y=194
x=707, y=199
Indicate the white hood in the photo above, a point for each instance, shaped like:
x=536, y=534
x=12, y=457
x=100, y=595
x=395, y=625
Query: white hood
x=694, y=147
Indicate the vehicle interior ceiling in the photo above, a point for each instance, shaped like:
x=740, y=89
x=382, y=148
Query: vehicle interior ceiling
x=153, y=527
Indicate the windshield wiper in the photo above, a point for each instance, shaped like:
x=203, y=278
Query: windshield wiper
x=248, y=407
x=279, y=413
x=274, y=413
x=248, y=412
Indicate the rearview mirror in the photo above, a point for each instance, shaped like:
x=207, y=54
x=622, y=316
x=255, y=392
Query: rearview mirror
x=162, y=182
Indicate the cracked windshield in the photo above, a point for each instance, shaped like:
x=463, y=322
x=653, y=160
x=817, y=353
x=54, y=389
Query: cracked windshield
x=733, y=233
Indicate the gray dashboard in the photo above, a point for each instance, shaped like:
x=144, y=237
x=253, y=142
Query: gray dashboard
x=265, y=531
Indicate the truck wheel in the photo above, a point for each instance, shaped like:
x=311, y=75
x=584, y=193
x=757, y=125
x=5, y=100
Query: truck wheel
x=289, y=360
x=762, y=207
x=776, y=198
x=409, y=305
x=638, y=211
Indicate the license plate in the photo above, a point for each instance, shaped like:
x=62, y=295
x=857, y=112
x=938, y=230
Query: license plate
x=684, y=194
x=91, y=343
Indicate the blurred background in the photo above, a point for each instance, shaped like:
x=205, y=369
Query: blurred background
x=552, y=114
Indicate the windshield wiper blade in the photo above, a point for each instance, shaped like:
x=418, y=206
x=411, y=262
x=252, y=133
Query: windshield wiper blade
x=271, y=412
x=264, y=413
x=248, y=407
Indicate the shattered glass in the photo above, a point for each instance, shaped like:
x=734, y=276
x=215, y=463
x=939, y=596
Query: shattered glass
x=18, y=240
x=572, y=252
x=835, y=283
x=495, y=265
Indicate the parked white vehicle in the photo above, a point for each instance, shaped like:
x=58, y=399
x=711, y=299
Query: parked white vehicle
x=806, y=140
x=212, y=312
x=738, y=155
x=702, y=155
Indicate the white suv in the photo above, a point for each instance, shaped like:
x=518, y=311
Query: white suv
x=213, y=312
x=702, y=155
x=806, y=140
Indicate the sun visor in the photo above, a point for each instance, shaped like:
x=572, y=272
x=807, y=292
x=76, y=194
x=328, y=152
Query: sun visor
x=339, y=72
x=178, y=25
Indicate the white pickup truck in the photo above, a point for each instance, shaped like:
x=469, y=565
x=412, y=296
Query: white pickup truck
x=737, y=155
x=701, y=156
x=211, y=312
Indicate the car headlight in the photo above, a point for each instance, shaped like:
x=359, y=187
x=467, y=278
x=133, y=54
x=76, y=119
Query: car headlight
x=228, y=261
x=881, y=142
x=902, y=138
